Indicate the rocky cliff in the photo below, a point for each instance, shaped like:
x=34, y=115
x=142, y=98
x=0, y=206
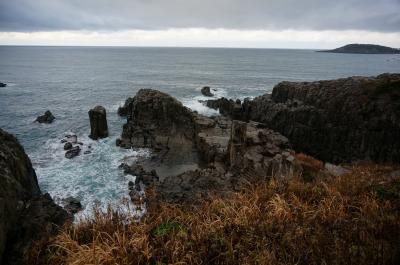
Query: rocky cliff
x=343, y=120
x=195, y=155
x=25, y=213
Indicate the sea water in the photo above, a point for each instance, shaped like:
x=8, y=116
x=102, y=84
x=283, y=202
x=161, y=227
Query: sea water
x=69, y=81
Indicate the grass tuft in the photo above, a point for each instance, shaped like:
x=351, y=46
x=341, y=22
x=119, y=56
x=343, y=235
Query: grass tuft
x=353, y=219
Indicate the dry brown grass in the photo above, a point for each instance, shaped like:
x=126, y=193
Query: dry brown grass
x=353, y=219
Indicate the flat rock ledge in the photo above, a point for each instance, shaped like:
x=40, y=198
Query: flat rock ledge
x=197, y=155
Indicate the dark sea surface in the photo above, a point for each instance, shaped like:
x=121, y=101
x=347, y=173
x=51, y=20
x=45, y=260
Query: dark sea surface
x=71, y=80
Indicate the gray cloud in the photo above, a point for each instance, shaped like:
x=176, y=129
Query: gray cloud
x=52, y=15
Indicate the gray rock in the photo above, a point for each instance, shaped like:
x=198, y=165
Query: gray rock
x=72, y=205
x=74, y=151
x=67, y=146
x=206, y=91
x=47, y=117
x=98, y=123
x=335, y=170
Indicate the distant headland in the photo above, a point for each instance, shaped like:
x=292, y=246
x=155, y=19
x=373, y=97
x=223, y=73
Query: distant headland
x=364, y=49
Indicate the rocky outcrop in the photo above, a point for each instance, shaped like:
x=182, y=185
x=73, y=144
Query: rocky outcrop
x=25, y=213
x=343, y=120
x=3, y=84
x=47, y=117
x=98, y=123
x=123, y=111
x=196, y=155
x=206, y=91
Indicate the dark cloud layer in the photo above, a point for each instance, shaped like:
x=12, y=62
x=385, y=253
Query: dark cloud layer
x=49, y=15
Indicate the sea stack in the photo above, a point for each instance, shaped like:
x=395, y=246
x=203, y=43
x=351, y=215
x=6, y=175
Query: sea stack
x=98, y=123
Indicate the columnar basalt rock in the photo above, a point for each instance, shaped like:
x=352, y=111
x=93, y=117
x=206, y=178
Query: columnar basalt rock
x=98, y=123
x=343, y=120
x=225, y=154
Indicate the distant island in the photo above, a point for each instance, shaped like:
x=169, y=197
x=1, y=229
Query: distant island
x=364, y=49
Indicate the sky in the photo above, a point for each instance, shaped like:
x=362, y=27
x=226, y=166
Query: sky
x=202, y=23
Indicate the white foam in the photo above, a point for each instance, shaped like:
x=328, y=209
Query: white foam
x=194, y=103
x=94, y=178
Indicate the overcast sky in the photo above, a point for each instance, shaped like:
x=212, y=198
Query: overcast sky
x=214, y=23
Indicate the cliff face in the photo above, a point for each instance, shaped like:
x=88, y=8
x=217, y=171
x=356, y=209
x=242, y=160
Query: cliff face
x=195, y=155
x=343, y=120
x=25, y=214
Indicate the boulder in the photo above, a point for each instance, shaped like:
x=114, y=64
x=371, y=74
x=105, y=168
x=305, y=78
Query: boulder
x=47, y=117
x=335, y=170
x=67, y=146
x=72, y=205
x=25, y=213
x=206, y=91
x=3, y=84
x=98, y=123
x=74, y=151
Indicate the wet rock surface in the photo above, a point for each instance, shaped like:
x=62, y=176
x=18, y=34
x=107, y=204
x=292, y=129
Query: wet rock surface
x=25, y=213
x=73, y=152
x=123, y=110
x=206, y=91
x=343, y=120
x=98, y=123
x=47, y=117
x=224, y=153
x=72, y=205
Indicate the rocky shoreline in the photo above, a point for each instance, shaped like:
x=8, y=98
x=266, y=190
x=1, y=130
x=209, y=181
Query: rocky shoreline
x=194, y=156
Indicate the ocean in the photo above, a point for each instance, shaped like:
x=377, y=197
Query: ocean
x=69, y=81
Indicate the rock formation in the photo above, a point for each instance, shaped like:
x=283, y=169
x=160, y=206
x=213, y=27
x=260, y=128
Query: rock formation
x=206, y=91
x=196, y=155
x=343, y=120
x=123, y=111
x=3, y=84
x=47, y=117
x=98, y=123
x=25, y=213
x=72, y=152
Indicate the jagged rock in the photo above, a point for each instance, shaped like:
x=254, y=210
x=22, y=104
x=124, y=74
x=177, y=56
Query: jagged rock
x=142, y=176
x=74, y=151
x=47, y=117
x=3, y=84
x=25, y=213
x=72, y=205
x=98, y=123
x=67, y=146
x=206, y=91
x=194, y=149
x=123, y=111
x=343, y=120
